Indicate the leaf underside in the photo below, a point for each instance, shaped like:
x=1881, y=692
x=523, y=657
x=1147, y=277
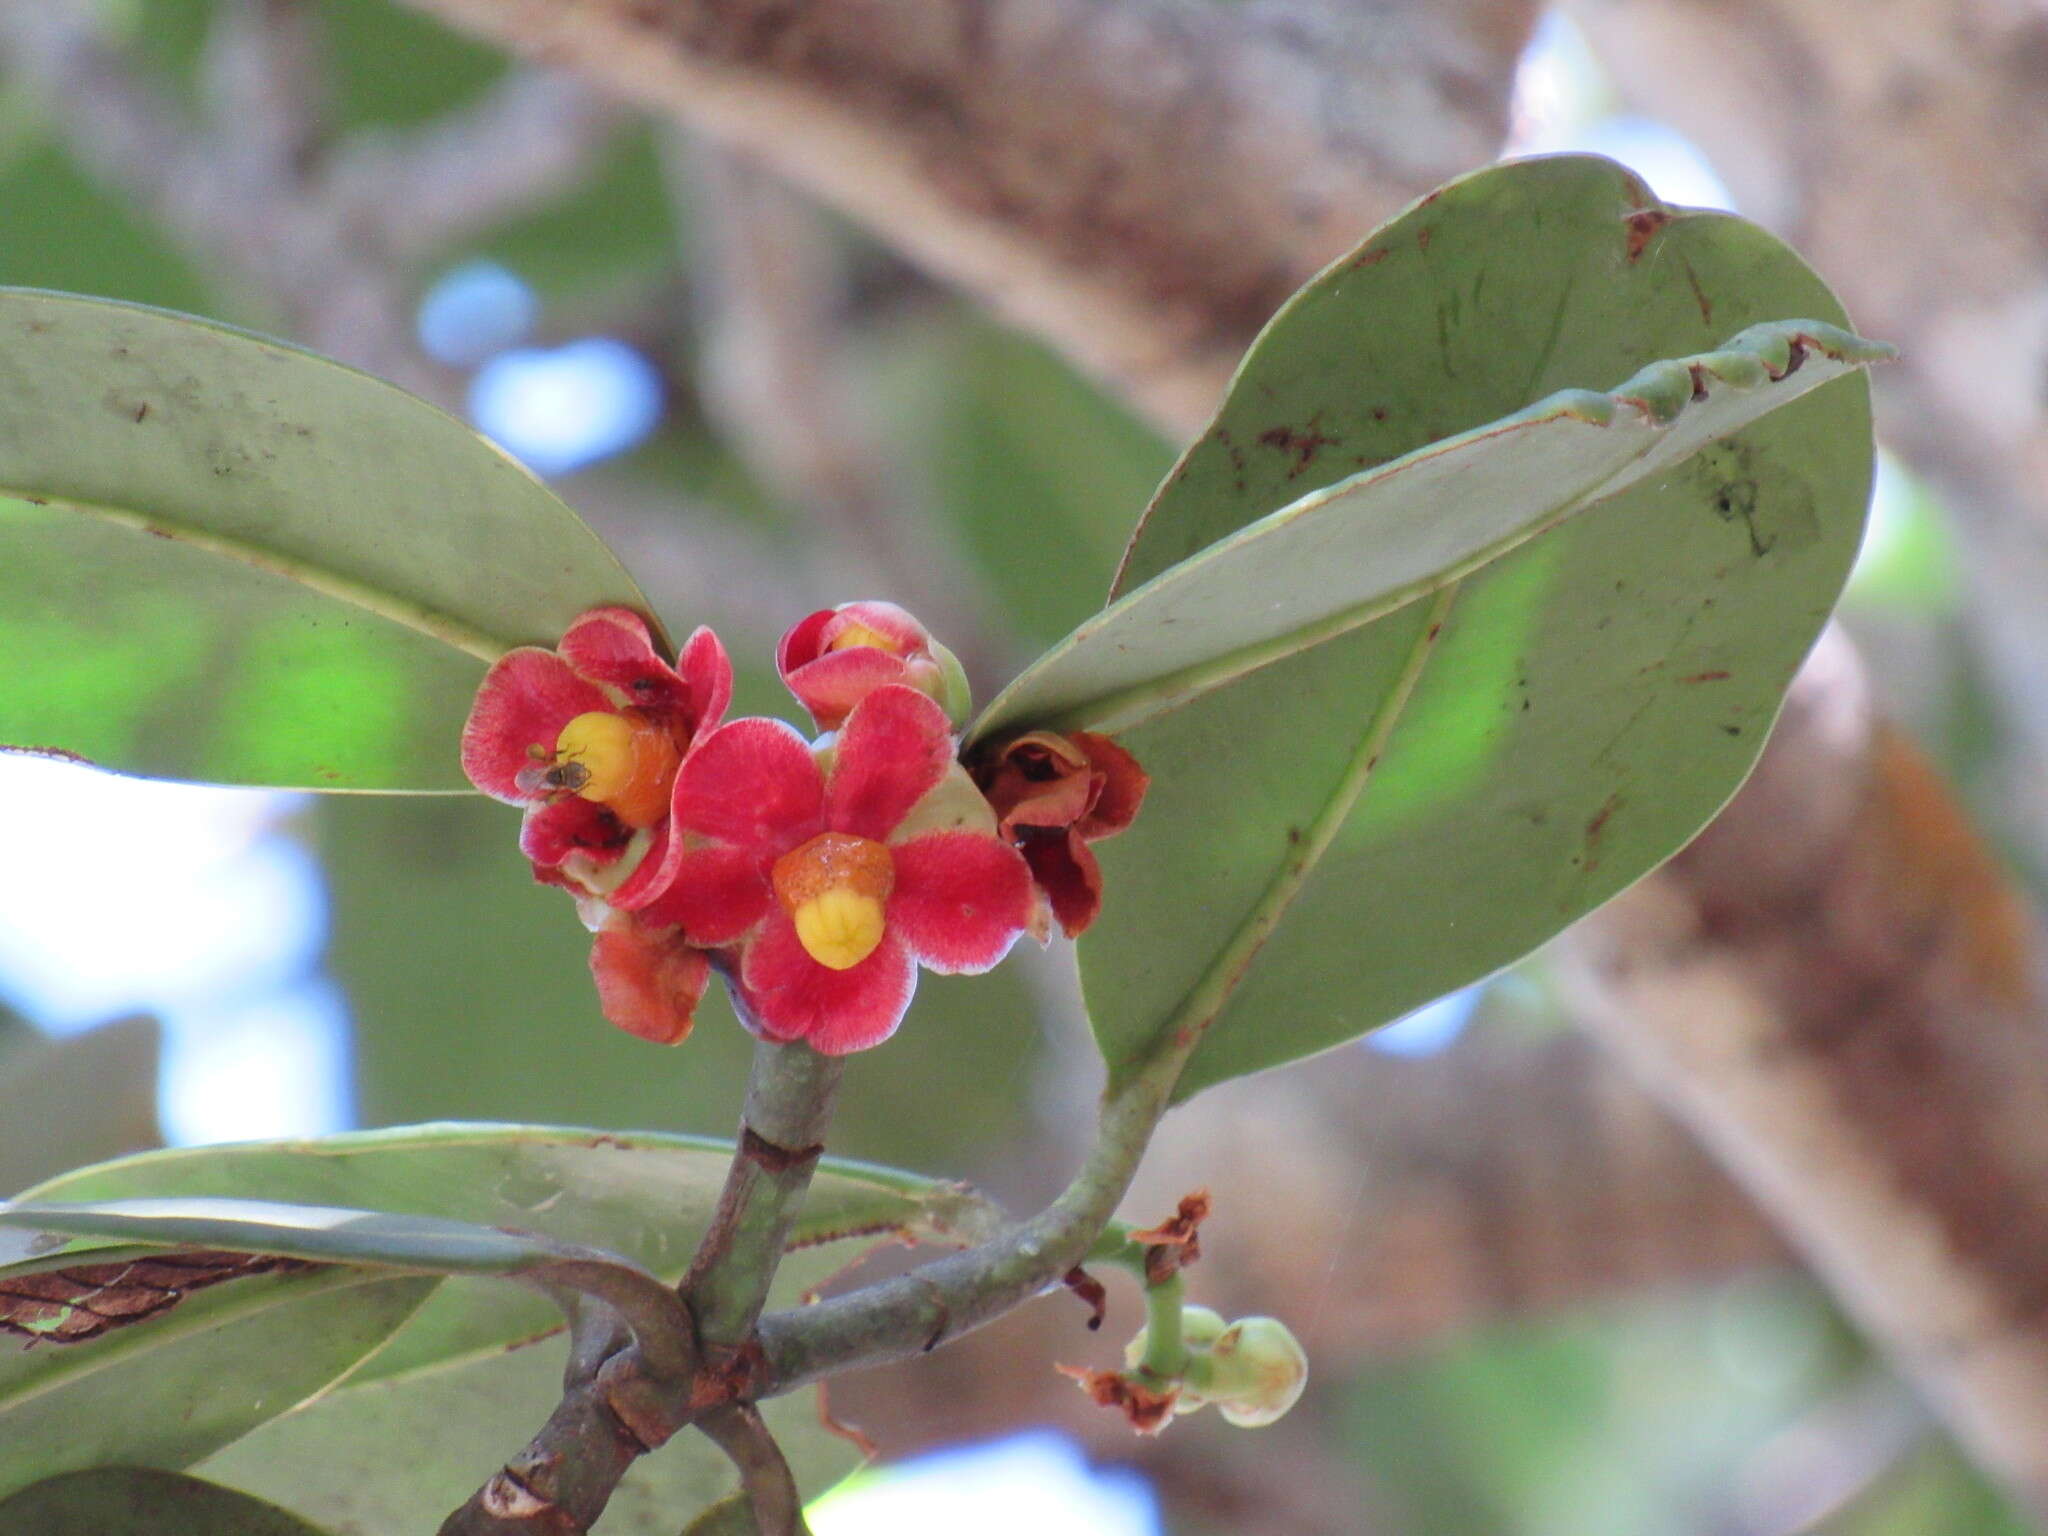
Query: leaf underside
x=448, y=1368
x=1358, y=827
x=228, y=560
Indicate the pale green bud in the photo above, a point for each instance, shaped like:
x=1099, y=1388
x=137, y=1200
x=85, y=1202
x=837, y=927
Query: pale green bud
x=952, y=693
x=1256, y=1370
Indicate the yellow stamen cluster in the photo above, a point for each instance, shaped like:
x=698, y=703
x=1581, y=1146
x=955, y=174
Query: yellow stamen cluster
x=835, y=888
x=860, y=634
x=623, y=761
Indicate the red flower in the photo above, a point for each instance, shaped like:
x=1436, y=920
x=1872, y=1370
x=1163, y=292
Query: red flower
x=589, y=737
x=648, y=979
x=827, y=886
x=838, y=656
x=1053, y=796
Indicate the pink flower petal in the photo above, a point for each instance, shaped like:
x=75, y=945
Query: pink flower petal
x=895, y=625
x=832, y=685
x=615, y=646
x=650, y=876
x=801, y=643
x=715, y=892
x=751, y=783
x=708, y=672
x=552, y=831
x=789, y=996
x=960, y=899
x=648, y=983
x=526, y=698
x=896, y=747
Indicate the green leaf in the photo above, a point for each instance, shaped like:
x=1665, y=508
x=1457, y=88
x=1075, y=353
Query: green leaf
x=136, y=1501
x=225, y=559
x=645, y=1197
x=1341, y=835
x=1389, y=537
x=322, y=1234
x=176, y=1386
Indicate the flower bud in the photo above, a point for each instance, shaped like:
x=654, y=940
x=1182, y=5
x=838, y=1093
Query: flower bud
x=1255, y=1371
x=836, y=657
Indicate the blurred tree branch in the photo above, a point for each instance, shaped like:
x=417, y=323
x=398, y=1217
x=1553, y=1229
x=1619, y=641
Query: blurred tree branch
x=1141, y=183
x=1840, y=993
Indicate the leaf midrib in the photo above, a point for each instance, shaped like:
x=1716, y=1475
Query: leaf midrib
x=1206, y=1000
x=431, y=622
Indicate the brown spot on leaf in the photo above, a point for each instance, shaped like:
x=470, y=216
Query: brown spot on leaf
x=70, y=1306
x=1423, y=236
x=1699, y=294
x=1597, y=828
x=1707, y=677
x=1371, y=256
x=1303, y=444
x=1642, y=229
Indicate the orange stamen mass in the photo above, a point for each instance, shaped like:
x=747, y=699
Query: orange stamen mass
x=834, y=888
x=623, y=761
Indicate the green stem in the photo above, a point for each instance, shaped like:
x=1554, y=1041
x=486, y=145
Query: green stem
x=1166, y=1355
x=916, y=1312
x=782, y=1132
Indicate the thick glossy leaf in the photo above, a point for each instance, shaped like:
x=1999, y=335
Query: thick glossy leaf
x=1389, y=537
x=643, y=1196
x=76, y=1100
x=461, y=1386
x=178, y=1385
x=321, y=1234
x=137, y=1501
x=225, y=559
x=1343, y=834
